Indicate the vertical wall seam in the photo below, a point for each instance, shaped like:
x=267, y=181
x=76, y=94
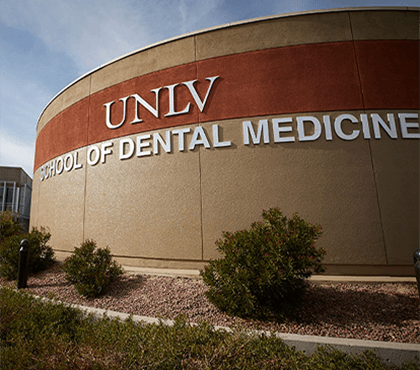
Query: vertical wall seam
x=372, y=163
x=199, y=161
x=87, y=141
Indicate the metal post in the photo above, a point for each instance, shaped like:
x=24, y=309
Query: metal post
x=13, y=197
x=3, y=203
x=23, y=264
x=416, y=257
x=24, y=201
x=17, y=200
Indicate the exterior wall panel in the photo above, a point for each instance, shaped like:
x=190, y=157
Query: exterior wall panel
x=335, y=71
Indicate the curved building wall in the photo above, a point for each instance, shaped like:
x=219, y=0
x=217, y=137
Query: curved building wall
x=158, y=152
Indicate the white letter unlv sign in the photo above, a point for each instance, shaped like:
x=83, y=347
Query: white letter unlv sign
x=155, y=111
x=280, y=125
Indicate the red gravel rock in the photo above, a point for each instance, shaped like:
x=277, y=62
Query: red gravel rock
x=381, y=311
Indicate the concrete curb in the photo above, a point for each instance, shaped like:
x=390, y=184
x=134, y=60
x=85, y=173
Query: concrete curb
x=314, y=278
x=195, y=274
x=391, y=353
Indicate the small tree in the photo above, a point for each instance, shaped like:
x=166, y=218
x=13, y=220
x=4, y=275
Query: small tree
x=91, y=269
x=263, y=270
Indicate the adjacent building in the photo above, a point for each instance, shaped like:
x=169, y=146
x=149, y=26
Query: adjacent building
x=15, y=193
x=155, y=154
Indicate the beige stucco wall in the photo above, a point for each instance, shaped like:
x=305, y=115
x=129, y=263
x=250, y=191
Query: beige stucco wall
x=167, y=210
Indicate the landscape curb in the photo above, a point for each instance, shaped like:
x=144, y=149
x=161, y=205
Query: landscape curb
x=314, y=278
x=392, y=353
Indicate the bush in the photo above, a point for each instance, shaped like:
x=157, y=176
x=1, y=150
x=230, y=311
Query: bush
x=263, y=270
x=91, y=271
x=41, y=255
x=8, y=225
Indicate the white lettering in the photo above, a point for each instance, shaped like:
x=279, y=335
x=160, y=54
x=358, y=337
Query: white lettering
x=327, y=126
x=216, y=142
x=277, y=129
x=146, y=144
x=96, y=151
x=165, y=145
x=52, y=169
x=301, y=128
x=59, y=165
x=365, y=126
x=181, y=133
x=406, y=125
x=199, y=132
x=201, y=104
x=130, y=151
x=42, y=173
x=190, y=85
x=145, y=104
x=140, y=145
x=172, y=111
x=378, y=121
x=68, y=162
x=248, y=130
x=338, y=129
x=76, y=165
x=105, y=151
x=108, y=113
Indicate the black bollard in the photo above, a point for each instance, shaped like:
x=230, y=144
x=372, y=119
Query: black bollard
x=23, y=264
x=416, y=257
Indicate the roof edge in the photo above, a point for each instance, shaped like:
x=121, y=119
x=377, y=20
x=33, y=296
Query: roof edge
x=226, y=25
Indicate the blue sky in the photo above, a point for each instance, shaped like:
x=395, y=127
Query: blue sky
x=47, y=44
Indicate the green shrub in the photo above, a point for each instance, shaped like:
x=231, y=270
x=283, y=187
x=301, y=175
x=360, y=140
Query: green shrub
x=39, y=334
x=41, y=255
x=91, y=269
x=8, y=226
x=263, y=270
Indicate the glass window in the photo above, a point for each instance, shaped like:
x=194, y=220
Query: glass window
x=9, y=195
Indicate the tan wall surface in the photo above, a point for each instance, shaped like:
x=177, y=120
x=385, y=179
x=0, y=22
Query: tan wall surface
x=396, y=165
x=168, y=209
x=59, y=205
x=274, y=33
x=174, y=206
x=148, y=206
x=320, y=180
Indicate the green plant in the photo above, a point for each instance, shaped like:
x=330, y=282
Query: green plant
x=41, y=255
x=91, y=269
x=8, y=225
x=42, y=334
x=263, y=270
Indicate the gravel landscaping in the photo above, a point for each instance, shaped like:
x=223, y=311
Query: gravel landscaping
x=375, y=311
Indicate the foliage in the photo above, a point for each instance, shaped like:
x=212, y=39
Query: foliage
x=91, y=269
x=39, y=334
x=41, y=255
x=263, y=270
x=8, y=226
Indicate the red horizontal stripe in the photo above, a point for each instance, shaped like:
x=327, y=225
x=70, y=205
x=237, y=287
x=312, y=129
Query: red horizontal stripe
x=308, y=78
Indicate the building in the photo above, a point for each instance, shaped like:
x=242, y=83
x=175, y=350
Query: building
x=156, y=153
x=15, y=193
